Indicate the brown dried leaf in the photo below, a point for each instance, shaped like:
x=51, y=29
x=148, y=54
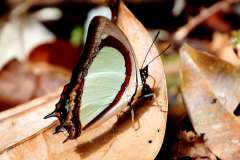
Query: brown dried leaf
x=111, y=140
x=16, y=85
x=222, y=47
x=211, y=92
x=57, y=52
x=191, y=145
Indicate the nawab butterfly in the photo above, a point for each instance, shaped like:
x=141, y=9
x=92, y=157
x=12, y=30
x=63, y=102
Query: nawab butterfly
x=105, y=80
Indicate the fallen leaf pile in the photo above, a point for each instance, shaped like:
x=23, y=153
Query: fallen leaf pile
x=211, y=91
x=203, y=105
x=110, y=140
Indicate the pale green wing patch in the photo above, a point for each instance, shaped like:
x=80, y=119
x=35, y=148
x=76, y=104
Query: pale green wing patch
x=103, y=82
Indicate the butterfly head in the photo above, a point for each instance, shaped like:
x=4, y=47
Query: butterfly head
x=144, y=74
x=147, y=92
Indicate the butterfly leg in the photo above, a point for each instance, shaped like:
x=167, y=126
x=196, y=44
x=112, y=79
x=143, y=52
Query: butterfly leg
x=157, y=103
x=112, y=136
x=154, y=95
x=154, y=81
x=135, y=126
x=133, y=116
x=132, y=112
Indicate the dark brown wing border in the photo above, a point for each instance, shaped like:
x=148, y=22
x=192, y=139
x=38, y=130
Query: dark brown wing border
x=102, y=32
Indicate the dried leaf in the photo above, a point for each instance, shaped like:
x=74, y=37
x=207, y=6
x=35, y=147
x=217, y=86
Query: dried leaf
x=56, y=52
x=191, y=145
x=21, y=82
x=25, y=121
x=16, y=85
x=19, y=36
x=222, y=46
x=211, y=92
x=111, y=140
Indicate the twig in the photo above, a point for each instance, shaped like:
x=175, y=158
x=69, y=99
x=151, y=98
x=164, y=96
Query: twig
x=183, y=31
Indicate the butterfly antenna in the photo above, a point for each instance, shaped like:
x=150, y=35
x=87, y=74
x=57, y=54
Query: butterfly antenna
x=160, y=54
x=155, y=38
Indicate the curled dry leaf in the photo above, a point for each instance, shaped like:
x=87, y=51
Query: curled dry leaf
x=114, y=139
x=222, y=46
x=211, y=92
x=19, y=36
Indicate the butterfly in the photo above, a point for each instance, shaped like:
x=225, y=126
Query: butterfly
x=105, y=80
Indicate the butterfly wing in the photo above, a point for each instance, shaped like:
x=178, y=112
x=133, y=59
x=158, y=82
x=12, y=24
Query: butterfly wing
x=103, y=82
